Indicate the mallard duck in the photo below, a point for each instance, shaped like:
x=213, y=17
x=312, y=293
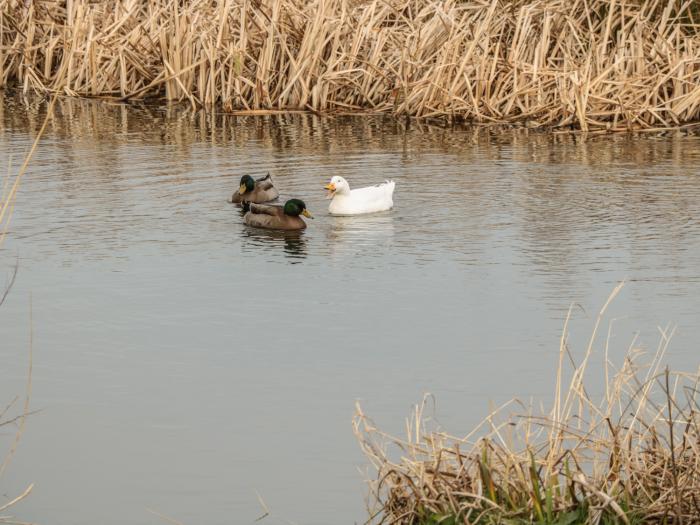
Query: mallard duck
x=277, y=217
x=371, y=199
x=257, y=191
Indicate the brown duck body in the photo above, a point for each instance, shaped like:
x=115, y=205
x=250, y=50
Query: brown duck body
x=272, y=218
x=264, y=191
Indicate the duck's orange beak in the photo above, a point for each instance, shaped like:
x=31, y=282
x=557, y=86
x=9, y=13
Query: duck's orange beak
x=331, y=189
x=242, y=189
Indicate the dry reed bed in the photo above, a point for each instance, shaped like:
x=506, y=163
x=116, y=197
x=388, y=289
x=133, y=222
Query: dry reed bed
x=630, y=456
x=588, y=64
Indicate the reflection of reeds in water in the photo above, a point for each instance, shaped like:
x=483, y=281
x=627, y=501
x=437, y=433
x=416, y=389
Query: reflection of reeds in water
x=630, y=455
x=592, y=64
x=84, y=122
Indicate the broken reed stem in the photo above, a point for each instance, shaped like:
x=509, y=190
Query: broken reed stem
x=583, y=64
x=672, y=444
x=628, y=455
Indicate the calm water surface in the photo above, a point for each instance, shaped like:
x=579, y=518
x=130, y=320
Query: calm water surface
x=186, y=363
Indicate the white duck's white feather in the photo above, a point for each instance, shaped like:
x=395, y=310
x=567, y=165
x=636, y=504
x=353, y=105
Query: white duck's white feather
x=371, y=199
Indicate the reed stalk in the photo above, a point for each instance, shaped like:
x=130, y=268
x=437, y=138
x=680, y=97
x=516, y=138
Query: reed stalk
x=8, y=197
x=583, y=64
x=630, y=455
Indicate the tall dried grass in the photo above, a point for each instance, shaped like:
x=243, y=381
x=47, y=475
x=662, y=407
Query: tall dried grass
x=630, y=455
x=588, y=64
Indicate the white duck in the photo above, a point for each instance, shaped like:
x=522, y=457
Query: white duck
x=371, y=199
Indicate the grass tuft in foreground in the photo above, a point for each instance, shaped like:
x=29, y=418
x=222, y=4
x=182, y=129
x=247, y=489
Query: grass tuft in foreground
x=628, y=456
x=583, y=64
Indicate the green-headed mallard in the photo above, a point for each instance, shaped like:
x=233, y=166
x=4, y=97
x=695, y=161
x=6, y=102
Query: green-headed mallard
x=277, y=217
x=256, y=191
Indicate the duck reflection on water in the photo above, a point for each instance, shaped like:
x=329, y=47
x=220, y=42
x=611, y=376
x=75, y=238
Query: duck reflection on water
x=292, y=243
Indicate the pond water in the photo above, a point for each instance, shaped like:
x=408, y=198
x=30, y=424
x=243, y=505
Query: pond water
x=188, y=364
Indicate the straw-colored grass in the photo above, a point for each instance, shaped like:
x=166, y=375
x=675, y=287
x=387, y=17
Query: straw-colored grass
x=629, y=455
x=584, y=64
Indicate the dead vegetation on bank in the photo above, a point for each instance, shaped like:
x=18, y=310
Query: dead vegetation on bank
x=586, y=64
x=629, y=456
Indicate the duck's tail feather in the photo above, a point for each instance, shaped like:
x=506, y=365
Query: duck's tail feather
x=390, y=185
